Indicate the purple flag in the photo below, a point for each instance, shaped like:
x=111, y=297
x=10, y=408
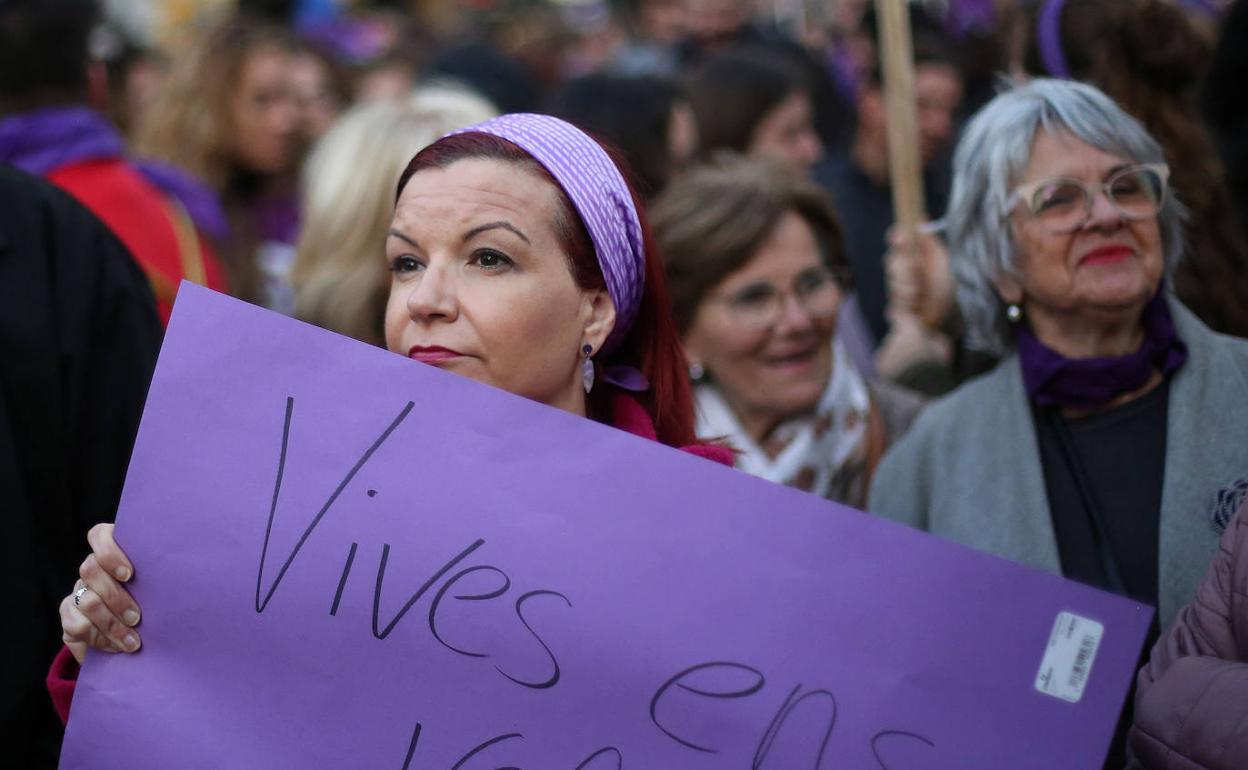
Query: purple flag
x=348, y=559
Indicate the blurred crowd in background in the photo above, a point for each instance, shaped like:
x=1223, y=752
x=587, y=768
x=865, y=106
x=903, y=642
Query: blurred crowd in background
x=254, y=146
x=270, y=122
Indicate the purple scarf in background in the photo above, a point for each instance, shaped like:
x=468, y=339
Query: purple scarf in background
x=1049, y=38
x=965, y=17
x=41, y=141
x=1051, y=379
x=201, y=203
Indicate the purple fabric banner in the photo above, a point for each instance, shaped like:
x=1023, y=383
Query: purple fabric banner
x=347, y=559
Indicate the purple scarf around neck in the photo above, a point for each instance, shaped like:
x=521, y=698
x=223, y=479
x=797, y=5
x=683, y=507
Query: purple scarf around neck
x=1051, y=379
x=41, y=141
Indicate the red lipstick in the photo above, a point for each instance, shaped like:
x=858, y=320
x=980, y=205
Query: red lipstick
x=1106, y=254
x=434, y=354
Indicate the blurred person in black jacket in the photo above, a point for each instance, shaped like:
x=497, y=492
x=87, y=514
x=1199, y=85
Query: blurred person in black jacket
x=78, y=341
x=1225, y=110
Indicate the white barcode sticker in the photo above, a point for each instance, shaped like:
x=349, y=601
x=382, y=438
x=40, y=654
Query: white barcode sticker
x=1069, y=657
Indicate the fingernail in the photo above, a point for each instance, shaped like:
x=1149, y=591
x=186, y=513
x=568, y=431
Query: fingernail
x=123, y=573
x=131, y=617
x=131, y=642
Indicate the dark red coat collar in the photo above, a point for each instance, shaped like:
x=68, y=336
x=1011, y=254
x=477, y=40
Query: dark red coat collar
x=629, y=415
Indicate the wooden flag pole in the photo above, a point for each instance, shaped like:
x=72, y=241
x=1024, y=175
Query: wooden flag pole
x=909, y=339
x=904, y=167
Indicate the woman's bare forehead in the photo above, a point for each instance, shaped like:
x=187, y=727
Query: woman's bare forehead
x=475, y=185
x=1063, y=154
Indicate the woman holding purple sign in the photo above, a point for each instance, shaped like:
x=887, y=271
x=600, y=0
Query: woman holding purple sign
x=1094, y=448
x=520, y=259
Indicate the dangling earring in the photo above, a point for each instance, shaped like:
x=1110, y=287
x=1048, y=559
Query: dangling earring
x=696, y=371
x=587, y=367
x=1013, y=313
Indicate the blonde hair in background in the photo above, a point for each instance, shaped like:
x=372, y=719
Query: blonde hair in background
x=339, y=276
x=190, y=121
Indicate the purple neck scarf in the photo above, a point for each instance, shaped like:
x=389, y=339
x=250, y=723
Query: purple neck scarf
x=202, y=204
x=599, y=193
x=41, y=141
x=1051, y=379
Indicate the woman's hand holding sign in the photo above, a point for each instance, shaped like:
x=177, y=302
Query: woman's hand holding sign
x=100, y=612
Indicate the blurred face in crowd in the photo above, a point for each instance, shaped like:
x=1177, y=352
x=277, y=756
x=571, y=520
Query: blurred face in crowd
x=388, y=80
x=482, y=286
x=845, y=16
x=764, y=333
x=787, y=134
x=314, y=94
x=663, y=21
x=1081, y=270
x=139, y=87
x=937, y=95
x=265, y=113
x=715, y=21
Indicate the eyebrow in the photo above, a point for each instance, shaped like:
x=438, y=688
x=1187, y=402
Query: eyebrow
x=474, y=232
x=754, y=286
x=1119, y=167
x=403, y=237
x=1106, y=175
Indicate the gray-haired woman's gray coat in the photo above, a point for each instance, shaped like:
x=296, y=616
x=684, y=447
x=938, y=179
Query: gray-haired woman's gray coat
x=969, y=469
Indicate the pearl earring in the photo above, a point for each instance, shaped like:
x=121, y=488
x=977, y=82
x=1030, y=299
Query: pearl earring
x=587, y=367
x=696, y=371
x=1013, y=313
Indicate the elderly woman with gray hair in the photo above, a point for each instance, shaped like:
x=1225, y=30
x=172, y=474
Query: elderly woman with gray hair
x=1096, y=448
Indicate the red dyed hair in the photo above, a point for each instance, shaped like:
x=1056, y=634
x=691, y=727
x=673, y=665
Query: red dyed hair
x=652, y=345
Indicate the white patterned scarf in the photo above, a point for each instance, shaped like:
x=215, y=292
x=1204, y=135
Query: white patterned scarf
x=823, y=452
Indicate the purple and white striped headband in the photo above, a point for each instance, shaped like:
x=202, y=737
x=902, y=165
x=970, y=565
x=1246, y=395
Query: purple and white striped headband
x=601, y=197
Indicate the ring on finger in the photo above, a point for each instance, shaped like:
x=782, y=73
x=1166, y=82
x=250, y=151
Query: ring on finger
x=78, y=596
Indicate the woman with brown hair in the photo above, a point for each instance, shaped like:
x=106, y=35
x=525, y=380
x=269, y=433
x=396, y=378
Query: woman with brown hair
x=750, y=101
x=1150, y=58
x=227, y=114
x=758, y=273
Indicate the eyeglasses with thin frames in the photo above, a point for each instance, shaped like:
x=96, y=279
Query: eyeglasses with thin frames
x=759, y=306
x=1064, y=205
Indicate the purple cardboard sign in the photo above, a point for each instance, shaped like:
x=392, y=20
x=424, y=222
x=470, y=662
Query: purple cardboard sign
x=347, y=559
